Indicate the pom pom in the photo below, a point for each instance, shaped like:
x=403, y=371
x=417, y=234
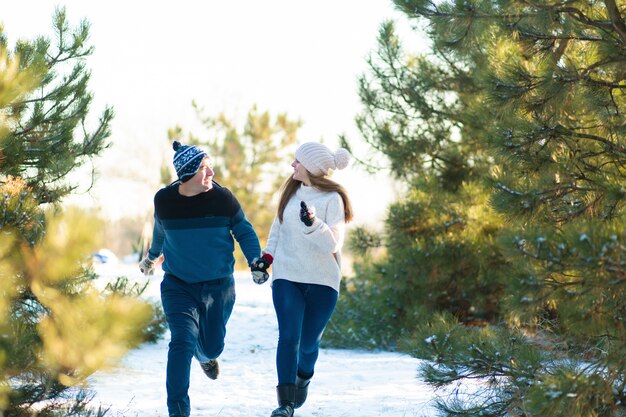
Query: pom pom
x=176, y=145
x=342, y=158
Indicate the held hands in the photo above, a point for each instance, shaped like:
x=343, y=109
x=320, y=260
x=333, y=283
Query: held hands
x=307, y=214
x=259, y=268
x=146, y=266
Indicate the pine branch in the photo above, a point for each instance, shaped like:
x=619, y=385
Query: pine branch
x=611, y=145
x=538, y=36
x=560, y=50
x=606, y=61
x=615, y=23
x=59, y=58
x=428, y=13
x=581, y=17
x=616, y=20
x=368, y=167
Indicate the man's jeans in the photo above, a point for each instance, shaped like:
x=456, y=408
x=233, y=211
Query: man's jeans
x=303, y=310
x=197, y=315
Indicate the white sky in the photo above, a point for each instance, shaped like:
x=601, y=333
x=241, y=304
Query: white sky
x=152, y=58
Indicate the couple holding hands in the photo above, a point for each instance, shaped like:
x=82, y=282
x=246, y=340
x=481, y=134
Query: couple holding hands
x=195, y=220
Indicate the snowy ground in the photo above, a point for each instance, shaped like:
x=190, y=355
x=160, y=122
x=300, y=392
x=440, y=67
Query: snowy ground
x=347, y=382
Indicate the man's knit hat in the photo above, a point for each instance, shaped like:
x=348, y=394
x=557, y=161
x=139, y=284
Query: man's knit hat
x=319, y=160
x=187, y=160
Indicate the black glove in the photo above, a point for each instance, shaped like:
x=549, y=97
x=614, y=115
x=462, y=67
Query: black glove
x=307, y=214
x=259, y=268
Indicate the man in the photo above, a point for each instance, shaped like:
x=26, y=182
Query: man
x=195, y=220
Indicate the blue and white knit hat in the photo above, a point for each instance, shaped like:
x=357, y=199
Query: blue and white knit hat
x=187, y=160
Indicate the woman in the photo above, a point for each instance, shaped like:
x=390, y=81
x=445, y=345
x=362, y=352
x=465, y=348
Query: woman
x=305, y=242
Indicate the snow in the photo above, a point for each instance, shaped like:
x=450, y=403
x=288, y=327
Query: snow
x=347, y=382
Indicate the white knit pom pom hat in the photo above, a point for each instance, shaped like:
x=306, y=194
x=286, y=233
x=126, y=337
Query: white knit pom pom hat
x=319, y=160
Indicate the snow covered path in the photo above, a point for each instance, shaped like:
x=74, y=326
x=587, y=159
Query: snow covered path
x=347, y=382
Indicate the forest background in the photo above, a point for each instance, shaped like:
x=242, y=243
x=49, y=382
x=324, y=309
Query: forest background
x=502, y=258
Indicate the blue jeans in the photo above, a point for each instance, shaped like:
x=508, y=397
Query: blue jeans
x=197, y=315
x=303, y=311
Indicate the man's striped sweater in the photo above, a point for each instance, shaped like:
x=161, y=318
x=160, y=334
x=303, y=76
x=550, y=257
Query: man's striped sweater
x=195, y=234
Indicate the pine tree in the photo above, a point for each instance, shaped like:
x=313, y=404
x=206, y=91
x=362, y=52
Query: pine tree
x=535, y=91
x=57, y=327
x=41, y=146
x=442, y=253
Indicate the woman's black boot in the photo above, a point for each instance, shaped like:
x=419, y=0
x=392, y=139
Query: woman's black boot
x=302, y=389
x=286, y=400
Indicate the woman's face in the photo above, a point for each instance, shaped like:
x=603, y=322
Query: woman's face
x=300, y=173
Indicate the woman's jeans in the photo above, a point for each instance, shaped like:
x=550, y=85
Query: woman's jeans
x=197, y=315
x=303, y=310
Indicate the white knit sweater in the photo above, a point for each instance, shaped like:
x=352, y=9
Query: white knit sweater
x=309, y=254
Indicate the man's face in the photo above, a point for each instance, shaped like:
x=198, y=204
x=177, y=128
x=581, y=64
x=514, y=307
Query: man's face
x=204, y=176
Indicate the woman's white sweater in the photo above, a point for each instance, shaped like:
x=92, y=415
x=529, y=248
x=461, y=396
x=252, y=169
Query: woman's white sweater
x=309, y=254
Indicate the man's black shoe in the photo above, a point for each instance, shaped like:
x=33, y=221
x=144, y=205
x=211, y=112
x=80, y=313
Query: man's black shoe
x=211, y=368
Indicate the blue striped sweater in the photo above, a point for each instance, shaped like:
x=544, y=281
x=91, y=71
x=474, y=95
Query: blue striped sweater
x=195, y=234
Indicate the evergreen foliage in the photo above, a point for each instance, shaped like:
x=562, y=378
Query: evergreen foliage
x=40, y=145
x=510, y=135
x=57, y=327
